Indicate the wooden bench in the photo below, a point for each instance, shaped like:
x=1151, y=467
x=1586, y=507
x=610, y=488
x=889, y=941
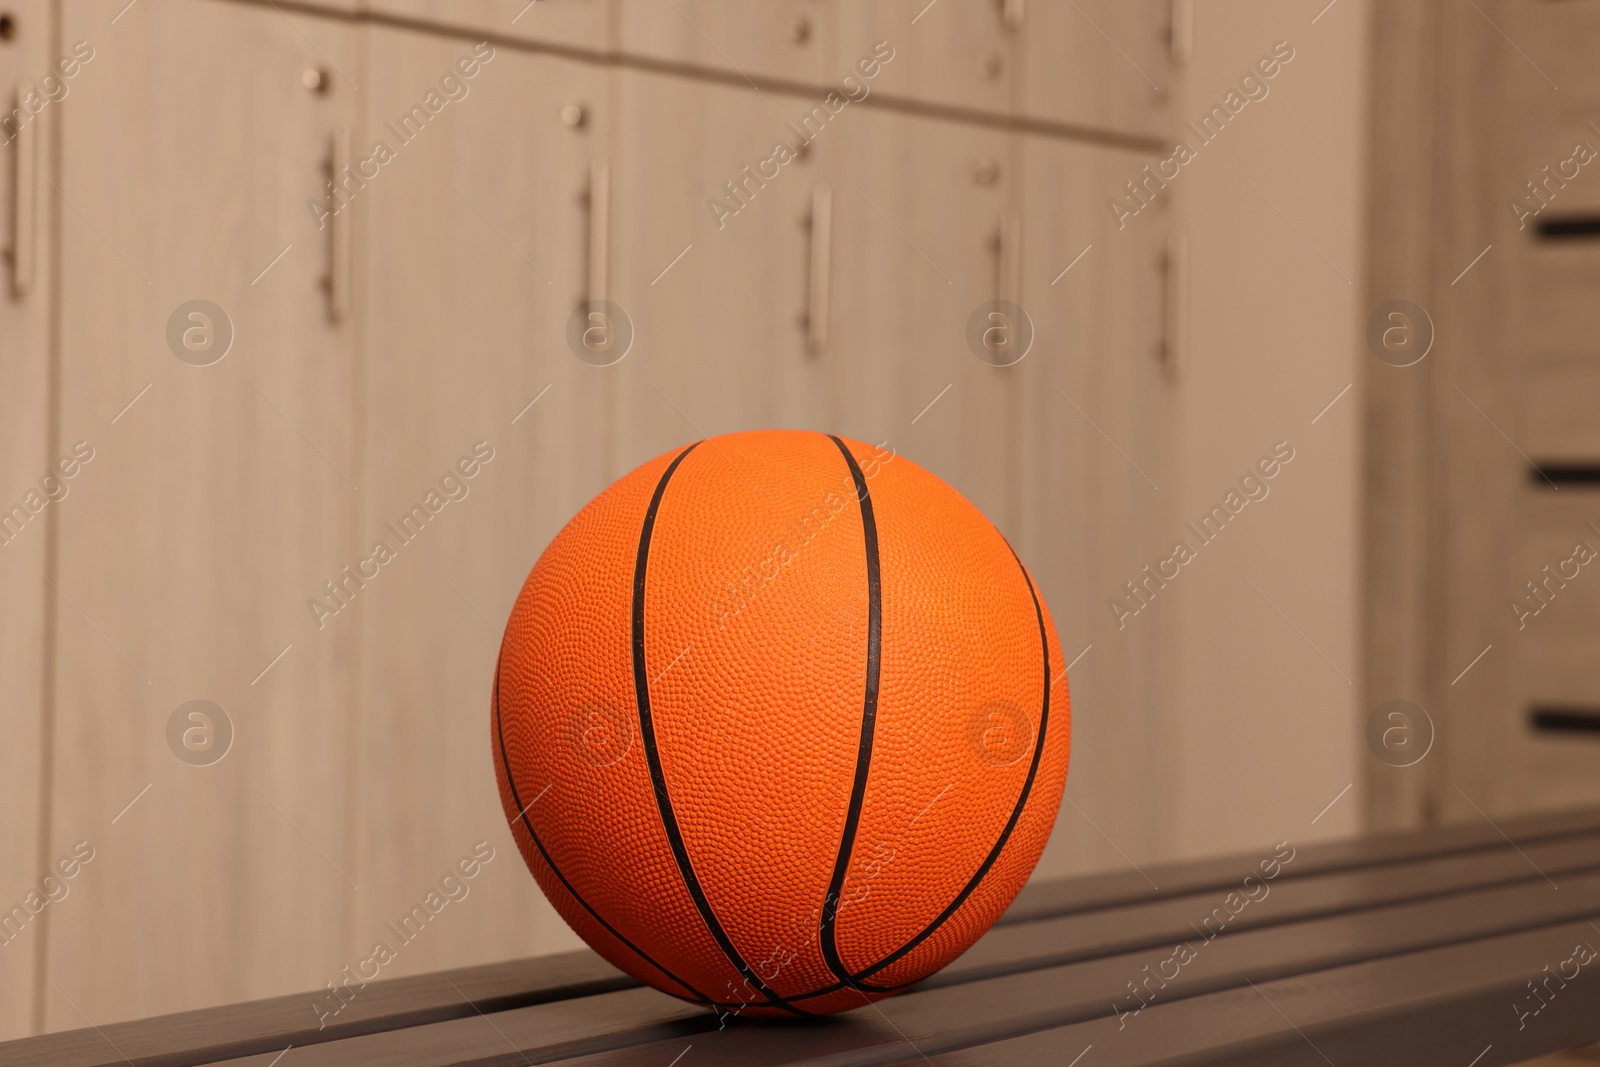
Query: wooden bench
x=1472, y=945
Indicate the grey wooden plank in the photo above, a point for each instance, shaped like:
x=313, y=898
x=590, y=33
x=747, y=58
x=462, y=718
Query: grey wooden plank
x=1016, y=948
x=1086, y=935
x=1067, y=896
x=197, y=1037
x=1004, y=950
x=538, y=1034
x=1457, y=1005
x=994, y=1010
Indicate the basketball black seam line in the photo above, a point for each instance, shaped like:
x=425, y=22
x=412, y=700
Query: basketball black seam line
x=850, y=981
x=505, y=762
x=658, y=781
x=1016, y=813
x=1038, y=749
x=869, y=714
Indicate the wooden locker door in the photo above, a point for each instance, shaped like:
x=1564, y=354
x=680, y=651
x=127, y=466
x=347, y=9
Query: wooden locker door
x=959, y=55
x=739, y=42
x=583, y=23
x=1097, y=418
x=1551, y=705
x=1104, y=64
x=720, y=298
x=1523, y=607
x=28, y=479
x=220, y=495
x=482, y=243
x=928, y=230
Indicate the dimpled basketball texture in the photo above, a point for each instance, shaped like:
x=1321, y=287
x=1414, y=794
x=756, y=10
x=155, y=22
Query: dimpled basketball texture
x=780, y=723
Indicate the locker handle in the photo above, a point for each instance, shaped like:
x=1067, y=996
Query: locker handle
x=339, y=259
x=819, y=256
x=23, y=200
x=1568, y=228
x=1008, y=258
x=1564, y=719
x=1559, y=474
x=1013, y=13
x=1181, y=30
x=1175, y=277
x=599, y=199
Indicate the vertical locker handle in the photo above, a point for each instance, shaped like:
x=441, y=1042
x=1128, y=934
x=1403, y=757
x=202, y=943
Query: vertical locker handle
x=1182, y=31
x=1005, y=243
x=23, y=197
x=339, y=264
x=1013, y=13
x=1175, y=267
x=818, y=269
x=599, y=230
x=1009, y=266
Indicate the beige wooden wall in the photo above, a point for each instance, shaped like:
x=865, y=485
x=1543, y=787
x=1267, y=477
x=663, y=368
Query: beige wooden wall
x=426, y=323
x=1268, y=681
x=1523, y=334
x=1470, y=613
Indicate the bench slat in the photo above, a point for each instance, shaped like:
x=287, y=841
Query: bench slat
x=1087, y=935
x=197, y=1037
x=1070, y=895
x=543, y=1032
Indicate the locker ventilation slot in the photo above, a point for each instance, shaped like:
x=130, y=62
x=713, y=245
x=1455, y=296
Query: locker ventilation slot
x=1570, y=228
x=1561, y=474
x=1564, y=720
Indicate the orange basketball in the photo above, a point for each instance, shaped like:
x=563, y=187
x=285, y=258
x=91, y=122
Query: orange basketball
x=780, y=723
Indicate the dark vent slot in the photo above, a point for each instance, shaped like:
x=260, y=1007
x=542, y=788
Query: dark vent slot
x=1571, y=228
x=1565, y=720
x=1559, y=474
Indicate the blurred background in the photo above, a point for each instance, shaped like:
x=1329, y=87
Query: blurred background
x=274, y=270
